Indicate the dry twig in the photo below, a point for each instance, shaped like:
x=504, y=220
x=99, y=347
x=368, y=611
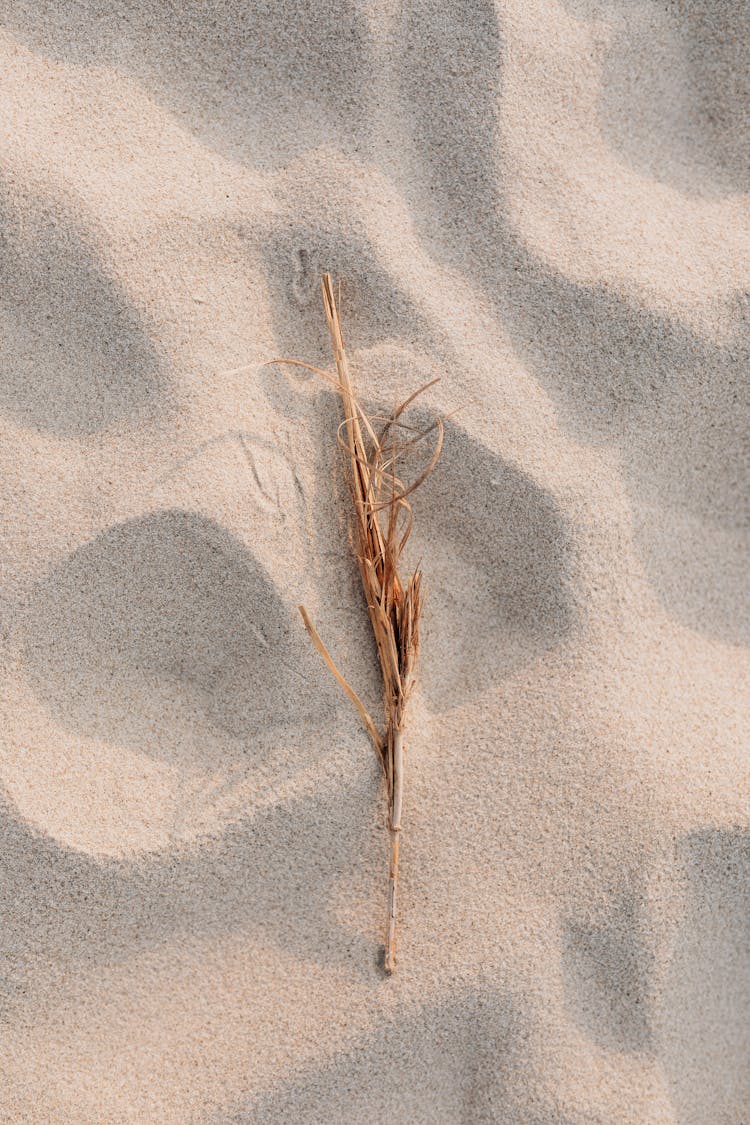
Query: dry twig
x=382, y=524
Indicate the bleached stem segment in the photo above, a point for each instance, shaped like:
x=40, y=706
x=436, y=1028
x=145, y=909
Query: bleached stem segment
x=398, y=779
x=390, y=940
x=395, y=829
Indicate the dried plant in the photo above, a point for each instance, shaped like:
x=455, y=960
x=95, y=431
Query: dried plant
x=382, y=525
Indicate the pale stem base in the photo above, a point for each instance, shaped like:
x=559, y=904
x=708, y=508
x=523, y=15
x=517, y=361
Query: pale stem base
x=395, y=828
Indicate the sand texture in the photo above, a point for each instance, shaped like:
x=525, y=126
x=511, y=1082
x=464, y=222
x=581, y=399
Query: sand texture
x=547, y=202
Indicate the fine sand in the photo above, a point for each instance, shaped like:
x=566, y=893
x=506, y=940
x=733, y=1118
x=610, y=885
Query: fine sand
x=547, y=202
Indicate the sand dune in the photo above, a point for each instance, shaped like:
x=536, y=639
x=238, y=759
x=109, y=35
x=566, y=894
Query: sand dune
x=547, y=204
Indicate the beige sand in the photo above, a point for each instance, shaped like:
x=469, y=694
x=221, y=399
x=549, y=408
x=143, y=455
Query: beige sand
x=547, y=203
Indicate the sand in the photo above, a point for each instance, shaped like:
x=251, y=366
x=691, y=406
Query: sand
x=548, y=204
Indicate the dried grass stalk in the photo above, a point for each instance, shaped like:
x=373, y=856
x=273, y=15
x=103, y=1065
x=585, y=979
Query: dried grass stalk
x=382, y=525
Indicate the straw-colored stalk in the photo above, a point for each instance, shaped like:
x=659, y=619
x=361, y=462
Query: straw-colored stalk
x=382, y=524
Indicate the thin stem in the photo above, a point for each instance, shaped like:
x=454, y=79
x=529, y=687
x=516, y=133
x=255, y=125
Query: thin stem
x=390, y=937
x=398, y=779
x=397, y=799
